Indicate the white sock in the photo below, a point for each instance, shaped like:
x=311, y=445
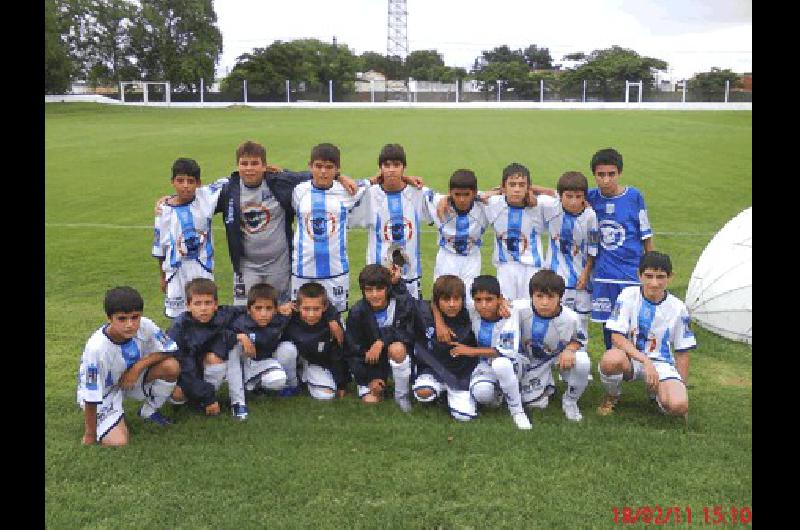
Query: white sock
x=509, y=384
x=286, y=354
x=610, y=382
x=401, y=372
x=577, y=378
x=160, y=391
x=214, y=374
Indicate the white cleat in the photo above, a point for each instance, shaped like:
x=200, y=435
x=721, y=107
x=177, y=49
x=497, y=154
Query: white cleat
x=404, y=403
x=540, y=403
x=571, y=410
x=521, y=421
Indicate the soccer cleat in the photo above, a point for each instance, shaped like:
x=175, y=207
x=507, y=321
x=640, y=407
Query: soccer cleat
x=571, y=410
x=239, y=411
x=289, y=391
x=521, y=421
x=540, y=403
x=156, y=418
x=608, y=404
x=404, y=403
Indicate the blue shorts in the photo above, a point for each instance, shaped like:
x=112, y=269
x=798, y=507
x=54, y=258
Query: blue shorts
x=604, y=294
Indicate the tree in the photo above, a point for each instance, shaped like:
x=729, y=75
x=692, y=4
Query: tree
x=607, y=70
x=710, y=86
x=509, y=67
x=58, y=67
x=538, y=58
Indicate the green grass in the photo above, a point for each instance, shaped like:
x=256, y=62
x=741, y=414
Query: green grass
x=299, y=463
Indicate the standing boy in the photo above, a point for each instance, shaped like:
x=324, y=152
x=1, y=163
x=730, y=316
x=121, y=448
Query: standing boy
x=128, y=357
x=652, y=338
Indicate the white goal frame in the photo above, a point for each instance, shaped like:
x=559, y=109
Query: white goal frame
x=144, y=85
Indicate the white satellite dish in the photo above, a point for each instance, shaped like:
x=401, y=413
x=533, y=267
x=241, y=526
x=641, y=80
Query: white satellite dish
x=720, y=293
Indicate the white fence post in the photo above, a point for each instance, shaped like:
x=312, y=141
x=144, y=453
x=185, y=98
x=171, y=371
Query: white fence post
x=330, y=91
x=169, y=92
x=683, y=97
x=122, y=91
x=584, y=91
x=498, y=89
x=541, y=90
x=244, y=90
x=145, y=93
x=727, y=88
x=202, y=89
x=626, y=92
x=457, y=83
x=372, y=91
x=640, y=90
x=288, y=91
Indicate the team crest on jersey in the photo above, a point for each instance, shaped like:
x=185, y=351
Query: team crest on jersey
x=402, y=231
x=190, y=242
x=687, y=330
x=567, y=246
x=462, y=245
x=91, y=377
x=612, y=234
x=321, y=228
x=506, y=340
x=255, y=217
x=514, y=241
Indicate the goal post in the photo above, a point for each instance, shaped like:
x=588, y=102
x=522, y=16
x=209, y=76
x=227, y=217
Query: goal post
x=144, y=85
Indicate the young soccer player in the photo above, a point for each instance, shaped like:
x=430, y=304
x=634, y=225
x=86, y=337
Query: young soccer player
x=128, y=357
x=324, y=370
x=379, y=336
x=204, y=340
x=394, y=212
x=551, y=336
x=497, y=375
x=652, y=338
x=572, y=226
x=182, y=242
x=320, y=243
x=624, y=234
x=261, y=360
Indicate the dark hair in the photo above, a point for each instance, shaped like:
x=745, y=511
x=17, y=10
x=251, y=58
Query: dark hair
x=464, y=179
x=547, y=282
x=448, y=285
x=392, y=152
x=200, y=286
x=572, y=181
x=185, y=166
x=374, y=275
x=312, y=290
x=486, y=283
x=262, y=291
x=250, y=148
x=607, y=157
x=515, y=168
x=122, y=300
x=655, y=260
x=327, y=153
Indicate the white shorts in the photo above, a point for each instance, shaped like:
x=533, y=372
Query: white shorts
x=514, y=278
x=110, y=412
x=337, y=289
x=271, y=369
x=175, y=298
x=578, y=300
x=460, y=402
x=665, y=370
x=319, y=380
x=465, y=267
x=536, y=379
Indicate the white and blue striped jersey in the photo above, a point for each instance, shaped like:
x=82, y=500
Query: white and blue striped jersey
x=459, y=233
x=573, y=238
x=103, y=360
x=657, y=330
x=393, y=217
x=623, y=224
x=503, y=334
x=184, y=232
x=518, y=230
x=544, y=338
x=320, y=240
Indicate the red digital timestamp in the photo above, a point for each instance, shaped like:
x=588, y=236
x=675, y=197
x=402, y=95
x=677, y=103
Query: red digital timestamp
x=671, y=515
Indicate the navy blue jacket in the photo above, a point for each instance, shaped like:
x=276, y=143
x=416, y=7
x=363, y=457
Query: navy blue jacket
x=266, y=338
x=316, y=345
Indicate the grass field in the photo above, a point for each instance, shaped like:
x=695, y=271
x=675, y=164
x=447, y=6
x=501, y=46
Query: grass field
x=303, y=464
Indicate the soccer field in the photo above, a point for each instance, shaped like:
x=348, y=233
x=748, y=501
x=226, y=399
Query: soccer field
x=306, y=464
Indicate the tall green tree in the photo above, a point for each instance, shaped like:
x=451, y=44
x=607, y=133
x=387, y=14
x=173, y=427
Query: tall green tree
x=607, y=70
x=58, y=67
x=538, y=58
x=710, y=86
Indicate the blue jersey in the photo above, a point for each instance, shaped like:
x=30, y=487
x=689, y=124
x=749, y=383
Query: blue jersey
x=623, y=225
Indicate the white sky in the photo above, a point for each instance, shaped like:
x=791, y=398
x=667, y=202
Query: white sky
x=691, y=35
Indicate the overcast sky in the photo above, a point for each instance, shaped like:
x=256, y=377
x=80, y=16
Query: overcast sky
x=691, y=35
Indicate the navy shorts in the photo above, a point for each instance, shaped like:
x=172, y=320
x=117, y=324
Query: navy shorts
x=604, y=294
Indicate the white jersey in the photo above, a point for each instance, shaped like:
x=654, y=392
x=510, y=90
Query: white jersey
x=573, y=238
x=103, y=361
x=518, y=230
x=184, y=232
x=544, y=338
x=393, y=217
x=320, y=240
x=459, y=233
x=657, y=330
x=503, y=334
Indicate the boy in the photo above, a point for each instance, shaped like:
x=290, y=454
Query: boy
x=320, y=243
x=652, y=338
x=379, y=334
x=496, y=376
x=128, y=357
x=572, y=227
x=624, y=234
x=551, y=336
x=262, y=360
x=182, y=242
x=204, y=340
x=320, y=350
x=393, y=213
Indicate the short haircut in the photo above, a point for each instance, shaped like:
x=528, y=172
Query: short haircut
x=572, y=181
x=515, y=168
x=185, y=166
x=327, y=153
x=448, y=285
x=200, y=286
x=464, y=179
x=250, y=148
x=374, y=275
x=312, y=290
x=485, y=283
x=394, y=152
x=657, y=261
x=607, y=157
x=262, y=291
x=547, y=282
x=122, y=300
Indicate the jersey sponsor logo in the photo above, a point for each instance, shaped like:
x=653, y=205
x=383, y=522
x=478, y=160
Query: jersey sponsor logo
x=601, y=305
x=609, y=208
x=514, y=241
x=402, y=231
x=255, y=217
x=190, y=242
x=320, y=228
x=91, y=377
x=612, y=234
x=506, y=340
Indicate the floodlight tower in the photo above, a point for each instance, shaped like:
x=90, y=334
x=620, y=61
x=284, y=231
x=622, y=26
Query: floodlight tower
x=397, y=41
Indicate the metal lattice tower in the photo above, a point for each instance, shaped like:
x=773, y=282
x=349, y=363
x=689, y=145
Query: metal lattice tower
x=397, y=41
